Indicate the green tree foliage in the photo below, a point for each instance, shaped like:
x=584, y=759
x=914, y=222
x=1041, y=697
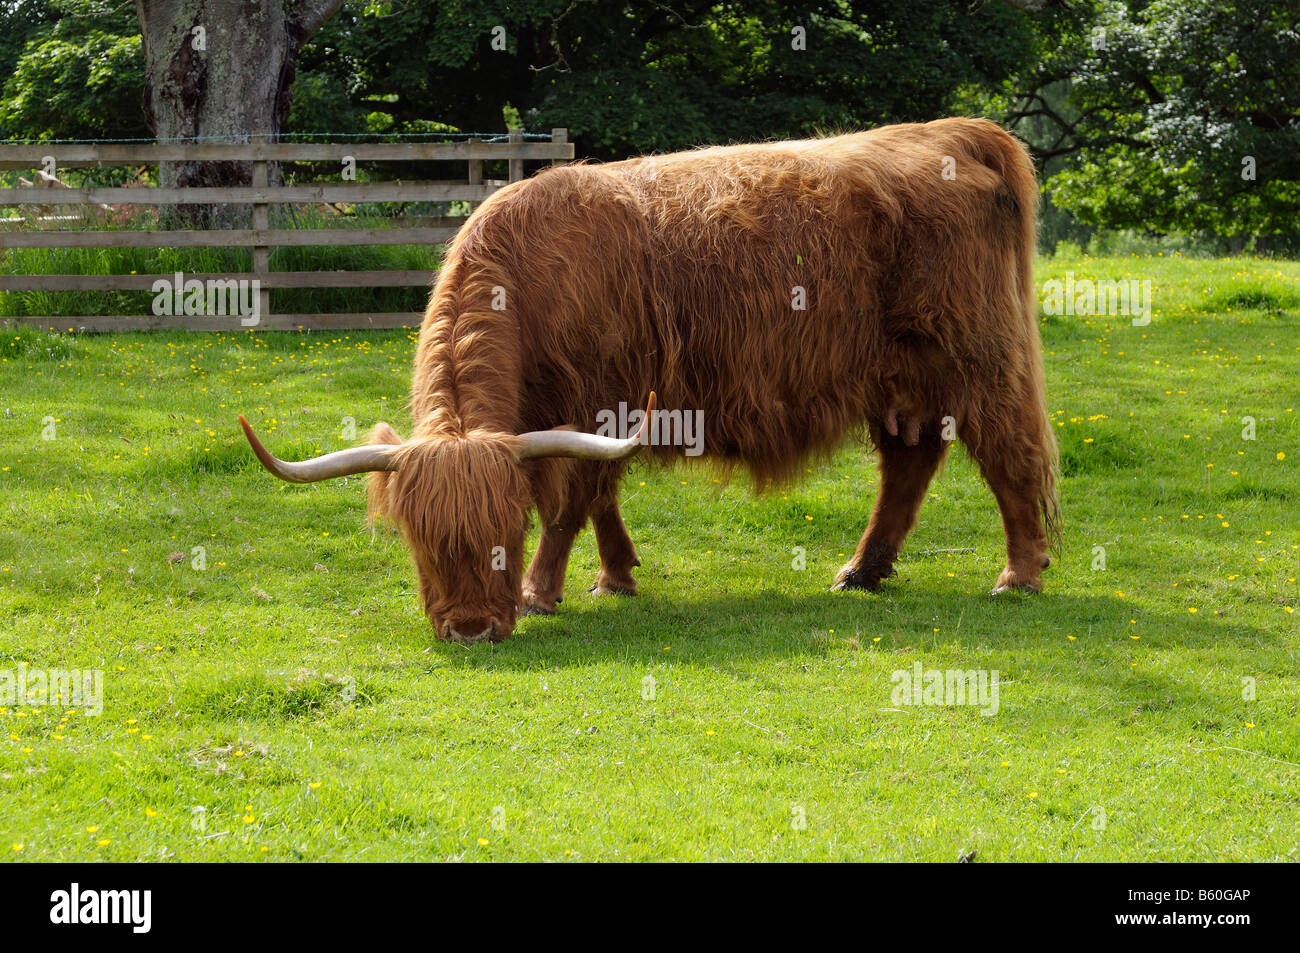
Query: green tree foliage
x=641, y=77
x=18, y=22
x=78, y=74
x=1173, y=115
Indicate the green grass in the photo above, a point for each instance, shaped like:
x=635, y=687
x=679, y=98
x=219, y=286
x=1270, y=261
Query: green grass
x=292, y=693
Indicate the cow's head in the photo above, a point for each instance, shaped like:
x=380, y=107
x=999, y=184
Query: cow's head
x=462, y=502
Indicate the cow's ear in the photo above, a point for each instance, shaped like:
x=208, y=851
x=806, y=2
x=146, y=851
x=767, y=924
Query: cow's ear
x=383, y=433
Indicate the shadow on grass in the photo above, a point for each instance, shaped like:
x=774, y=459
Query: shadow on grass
x=952, y=629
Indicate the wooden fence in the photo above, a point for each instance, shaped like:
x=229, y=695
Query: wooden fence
x=513, y=149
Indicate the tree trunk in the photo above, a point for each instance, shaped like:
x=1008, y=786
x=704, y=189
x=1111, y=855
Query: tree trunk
x=221, y=69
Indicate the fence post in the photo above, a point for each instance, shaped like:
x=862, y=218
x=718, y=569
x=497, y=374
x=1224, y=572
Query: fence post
x=516, y=165
x=559, y=134
x=261, y=253
x=475, y=166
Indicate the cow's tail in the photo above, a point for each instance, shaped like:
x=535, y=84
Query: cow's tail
x=1009, y=157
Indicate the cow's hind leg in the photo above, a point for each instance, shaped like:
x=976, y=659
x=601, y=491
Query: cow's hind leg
x=1015, y=450
x=905, y=474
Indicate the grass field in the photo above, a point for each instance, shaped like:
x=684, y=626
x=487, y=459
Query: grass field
x=288, y=701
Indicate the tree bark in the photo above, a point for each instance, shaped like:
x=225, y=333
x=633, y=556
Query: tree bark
x=221, y=69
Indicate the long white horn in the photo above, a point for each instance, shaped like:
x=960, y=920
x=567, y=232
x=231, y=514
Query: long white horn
x=376, y=456
x=584, y=446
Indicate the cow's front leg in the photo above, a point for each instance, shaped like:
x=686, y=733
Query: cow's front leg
x=617, y=554
x=543, y=587
x=592, y=492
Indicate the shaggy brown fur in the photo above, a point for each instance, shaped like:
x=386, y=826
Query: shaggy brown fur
x=677, y=274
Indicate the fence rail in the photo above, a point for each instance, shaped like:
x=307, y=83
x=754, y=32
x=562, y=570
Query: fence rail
x=89, y=155
x=221, y=237
x=244, y=195
x=260, y=195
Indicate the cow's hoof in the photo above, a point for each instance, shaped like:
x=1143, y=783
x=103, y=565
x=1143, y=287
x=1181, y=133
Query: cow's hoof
x=1010, y=582
x=868, y=578
x=596, y=590
x=608, y=585
x=535, y=604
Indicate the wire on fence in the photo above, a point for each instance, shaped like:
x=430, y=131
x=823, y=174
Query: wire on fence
x=286, y=138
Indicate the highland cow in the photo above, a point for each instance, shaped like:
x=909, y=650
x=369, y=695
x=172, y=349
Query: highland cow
x=794, y=292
